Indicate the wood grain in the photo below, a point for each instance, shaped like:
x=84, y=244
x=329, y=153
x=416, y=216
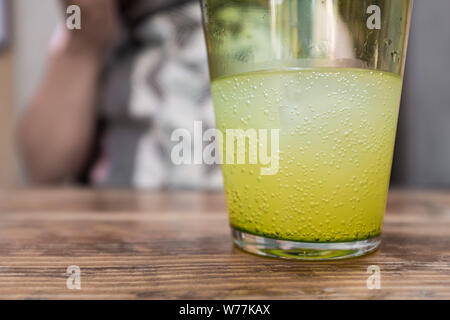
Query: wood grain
x=137, y=245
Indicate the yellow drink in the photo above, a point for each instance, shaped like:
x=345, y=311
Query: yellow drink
x=337, y=131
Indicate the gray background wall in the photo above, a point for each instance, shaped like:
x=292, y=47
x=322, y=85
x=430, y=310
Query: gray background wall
x=33, y=23
x=422, y=156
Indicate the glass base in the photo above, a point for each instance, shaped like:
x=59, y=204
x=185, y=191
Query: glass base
x=303, y=250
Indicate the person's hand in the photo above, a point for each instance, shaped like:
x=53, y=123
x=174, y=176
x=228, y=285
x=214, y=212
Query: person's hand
x=99, y=25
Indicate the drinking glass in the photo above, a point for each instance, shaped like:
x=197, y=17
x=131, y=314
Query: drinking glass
x=317, y=85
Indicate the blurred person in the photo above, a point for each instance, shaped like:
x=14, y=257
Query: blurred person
x=114, y=92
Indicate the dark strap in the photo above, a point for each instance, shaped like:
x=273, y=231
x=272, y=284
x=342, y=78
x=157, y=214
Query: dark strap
x=134, y=12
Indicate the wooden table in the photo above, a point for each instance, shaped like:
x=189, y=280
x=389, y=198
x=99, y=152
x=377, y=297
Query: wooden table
x=177, y=246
